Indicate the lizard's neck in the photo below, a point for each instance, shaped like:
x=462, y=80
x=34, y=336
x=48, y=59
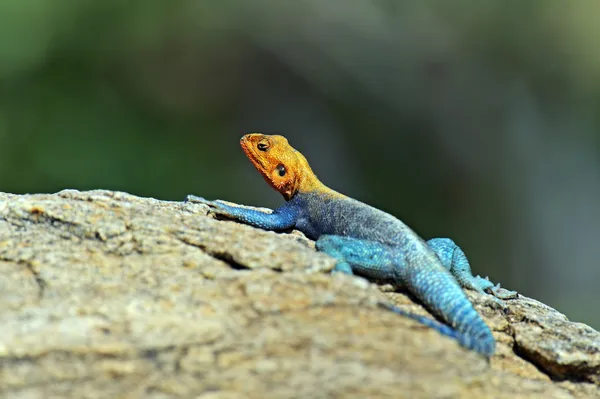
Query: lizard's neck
x=308, y=182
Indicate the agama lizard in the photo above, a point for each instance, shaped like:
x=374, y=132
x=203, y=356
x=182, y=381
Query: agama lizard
x=367, y=241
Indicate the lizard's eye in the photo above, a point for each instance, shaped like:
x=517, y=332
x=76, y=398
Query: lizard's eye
x=263, y=145
x=281, y=169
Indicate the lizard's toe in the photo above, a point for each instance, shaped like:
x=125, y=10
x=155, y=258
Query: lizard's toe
x=502, y=293
x=483, y=283
x=215, y=207
x=200, y=200
x=497, y=303
x=197, y=200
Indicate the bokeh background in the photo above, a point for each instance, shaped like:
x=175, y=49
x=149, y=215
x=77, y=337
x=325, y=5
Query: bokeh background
x=474, y=120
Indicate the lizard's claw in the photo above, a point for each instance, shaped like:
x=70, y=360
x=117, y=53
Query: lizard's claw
x=494, y=292
x=485, y=284
x=496, y=302
x=197, y=200
x=215, y=206
x=502, y=293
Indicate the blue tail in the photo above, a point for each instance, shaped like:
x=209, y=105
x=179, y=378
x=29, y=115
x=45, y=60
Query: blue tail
x=482, y=343
x=436, y=288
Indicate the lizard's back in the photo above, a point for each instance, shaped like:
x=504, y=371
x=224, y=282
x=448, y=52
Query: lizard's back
x=334, y=214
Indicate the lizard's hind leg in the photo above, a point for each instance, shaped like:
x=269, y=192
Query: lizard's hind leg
x=366, y=258
x=454, y=259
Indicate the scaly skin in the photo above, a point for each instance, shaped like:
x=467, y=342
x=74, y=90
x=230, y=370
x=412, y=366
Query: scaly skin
x=368, y=242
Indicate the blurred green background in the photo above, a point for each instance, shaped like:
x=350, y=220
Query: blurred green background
x=474, y=120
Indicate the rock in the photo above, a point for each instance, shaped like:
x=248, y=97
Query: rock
x=104, y=294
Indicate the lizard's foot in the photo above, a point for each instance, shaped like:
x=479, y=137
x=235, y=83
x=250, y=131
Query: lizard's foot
x=342, y=267
x=491, y=291
x=496, y=290
x=496, y=302
x=216, y=207
x=197, y=200
x=455, y=260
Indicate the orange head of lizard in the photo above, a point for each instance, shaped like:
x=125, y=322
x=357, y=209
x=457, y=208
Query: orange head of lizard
x=284, y=168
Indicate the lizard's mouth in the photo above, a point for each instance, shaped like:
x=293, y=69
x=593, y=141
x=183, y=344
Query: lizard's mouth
x=247, y=143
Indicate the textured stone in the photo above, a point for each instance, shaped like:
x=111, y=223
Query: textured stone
x=104, y=294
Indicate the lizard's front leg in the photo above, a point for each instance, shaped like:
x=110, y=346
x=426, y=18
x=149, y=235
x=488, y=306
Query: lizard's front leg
x=282, y=218
x=454, y=259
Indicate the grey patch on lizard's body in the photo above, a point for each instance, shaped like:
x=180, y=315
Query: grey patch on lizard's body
x=322, y=214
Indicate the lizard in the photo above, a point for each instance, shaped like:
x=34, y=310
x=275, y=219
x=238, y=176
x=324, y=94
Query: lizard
x=368, y=242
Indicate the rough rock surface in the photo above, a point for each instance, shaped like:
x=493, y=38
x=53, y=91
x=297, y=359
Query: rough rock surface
x=104, y=294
